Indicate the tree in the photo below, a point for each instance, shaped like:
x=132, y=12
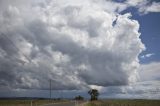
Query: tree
x=79, y=98
x=94, y=94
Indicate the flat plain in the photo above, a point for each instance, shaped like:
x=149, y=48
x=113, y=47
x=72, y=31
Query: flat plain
x=124, y=102
x=29, y=102
x=108, y=102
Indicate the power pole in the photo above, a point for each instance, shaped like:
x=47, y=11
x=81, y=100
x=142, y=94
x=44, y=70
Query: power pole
x=50, y=91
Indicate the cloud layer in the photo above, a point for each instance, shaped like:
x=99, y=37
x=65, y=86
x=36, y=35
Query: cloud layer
x=149, y=72
x=74, y=43
x=140, y=90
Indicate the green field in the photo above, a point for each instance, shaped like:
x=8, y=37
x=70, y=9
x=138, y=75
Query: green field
x=28, y=102
x=124, y=103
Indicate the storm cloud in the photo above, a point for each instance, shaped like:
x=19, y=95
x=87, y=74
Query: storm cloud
x=75, y=43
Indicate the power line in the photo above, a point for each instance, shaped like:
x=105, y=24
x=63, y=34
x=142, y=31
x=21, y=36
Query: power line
x=14, y=45
x=21, y=53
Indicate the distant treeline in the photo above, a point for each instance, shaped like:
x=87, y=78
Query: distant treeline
x=27, y=98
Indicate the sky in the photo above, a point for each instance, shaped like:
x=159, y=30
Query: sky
x=109, y=45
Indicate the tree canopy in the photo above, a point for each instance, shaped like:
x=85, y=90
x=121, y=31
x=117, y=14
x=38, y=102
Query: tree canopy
x=94, y=94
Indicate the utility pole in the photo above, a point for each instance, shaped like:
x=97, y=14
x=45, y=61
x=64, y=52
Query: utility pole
x=50, y=91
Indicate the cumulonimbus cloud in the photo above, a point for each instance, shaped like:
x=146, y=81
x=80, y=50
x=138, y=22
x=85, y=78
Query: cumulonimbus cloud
x=74, y=43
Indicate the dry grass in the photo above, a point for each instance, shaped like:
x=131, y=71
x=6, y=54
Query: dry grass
x=125, y=103
x=27, y=102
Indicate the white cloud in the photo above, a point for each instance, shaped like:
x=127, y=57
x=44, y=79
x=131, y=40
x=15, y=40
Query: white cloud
x=74, y=43
x=147, y=55
x=135, y=2
x=153, y=7
x=144, y=6
x=150, y=71
x=140, y=90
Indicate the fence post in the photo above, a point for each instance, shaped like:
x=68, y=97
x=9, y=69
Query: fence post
x=31, y=102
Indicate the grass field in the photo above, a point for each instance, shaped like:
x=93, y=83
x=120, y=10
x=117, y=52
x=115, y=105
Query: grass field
x=124, y=103
x=28, y=102
x=94, y=103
